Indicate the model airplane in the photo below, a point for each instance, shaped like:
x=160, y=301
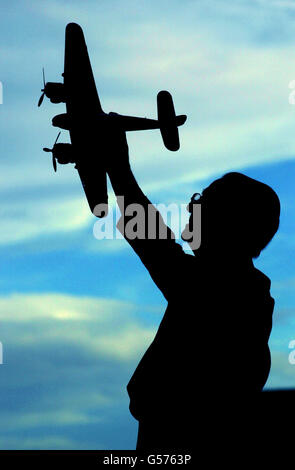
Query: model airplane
x=88, y=123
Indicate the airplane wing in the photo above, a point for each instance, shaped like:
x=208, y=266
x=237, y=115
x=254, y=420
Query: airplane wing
x=83, y=106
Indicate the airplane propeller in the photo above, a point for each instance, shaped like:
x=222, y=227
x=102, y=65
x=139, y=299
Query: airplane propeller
x=43, y=89
x=52, y=151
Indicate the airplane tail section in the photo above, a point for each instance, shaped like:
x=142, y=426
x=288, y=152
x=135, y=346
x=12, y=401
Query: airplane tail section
x=168, y=121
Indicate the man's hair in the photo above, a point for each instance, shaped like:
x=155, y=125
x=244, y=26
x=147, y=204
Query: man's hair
x=251, y=208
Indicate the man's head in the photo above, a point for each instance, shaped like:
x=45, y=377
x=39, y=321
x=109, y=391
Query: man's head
x=239, y=215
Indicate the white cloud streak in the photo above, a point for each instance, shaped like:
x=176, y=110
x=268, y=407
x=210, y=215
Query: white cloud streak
x=99, y=326
x=67, y=361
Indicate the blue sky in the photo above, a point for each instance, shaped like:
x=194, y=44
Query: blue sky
x=77, y=313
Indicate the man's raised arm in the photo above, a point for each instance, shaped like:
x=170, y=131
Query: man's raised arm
x=152, y=240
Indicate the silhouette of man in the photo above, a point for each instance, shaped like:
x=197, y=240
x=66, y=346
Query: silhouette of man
x=210, y=356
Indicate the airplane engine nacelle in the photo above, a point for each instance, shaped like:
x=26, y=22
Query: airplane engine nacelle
x=55, y=92
x=62, y=121
x=64, y=153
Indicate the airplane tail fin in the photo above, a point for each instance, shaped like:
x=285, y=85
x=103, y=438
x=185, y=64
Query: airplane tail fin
x=168, y=121
x=78, y=74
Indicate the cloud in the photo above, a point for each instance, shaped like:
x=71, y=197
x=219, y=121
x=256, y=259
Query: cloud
x=45, y=419
x=283, y=4
x=100, y=326
x=282, y=373
x=21, y=221
x=54, y=442
x=67, y=361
